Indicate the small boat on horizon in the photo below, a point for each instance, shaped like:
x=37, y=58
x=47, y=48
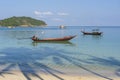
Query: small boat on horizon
x=62, y=27
x=66, y=38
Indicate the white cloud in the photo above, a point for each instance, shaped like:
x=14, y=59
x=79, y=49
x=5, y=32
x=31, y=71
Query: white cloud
x=43, y=13
x=63, y=14
x=37, y=13
x=47, y=13
x=57, y=19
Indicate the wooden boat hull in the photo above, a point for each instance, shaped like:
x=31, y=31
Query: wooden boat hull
x=92, y=33
x=66, y=38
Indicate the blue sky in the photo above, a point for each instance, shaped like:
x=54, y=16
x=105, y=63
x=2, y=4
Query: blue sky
x=65, y=12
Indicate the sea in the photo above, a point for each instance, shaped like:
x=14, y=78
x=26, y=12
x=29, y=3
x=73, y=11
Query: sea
x=97, y=55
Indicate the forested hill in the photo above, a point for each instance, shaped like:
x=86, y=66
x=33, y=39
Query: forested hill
x=22, y=21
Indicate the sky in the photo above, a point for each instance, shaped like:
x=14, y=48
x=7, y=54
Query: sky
x=65, y=12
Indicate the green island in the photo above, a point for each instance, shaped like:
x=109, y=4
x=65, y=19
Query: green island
x=21, y=21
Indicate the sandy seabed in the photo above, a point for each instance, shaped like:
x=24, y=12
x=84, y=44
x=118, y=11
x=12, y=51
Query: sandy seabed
x=16, y=75
x=68, y=74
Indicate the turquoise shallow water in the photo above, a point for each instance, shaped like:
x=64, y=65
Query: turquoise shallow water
x=98, y=55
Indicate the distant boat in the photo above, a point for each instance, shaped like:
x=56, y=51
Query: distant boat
x=66, y=38
x=94, y=32
x=62, y=27
x=11, y=27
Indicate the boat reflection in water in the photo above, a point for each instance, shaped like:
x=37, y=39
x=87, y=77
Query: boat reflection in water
x=34, y=43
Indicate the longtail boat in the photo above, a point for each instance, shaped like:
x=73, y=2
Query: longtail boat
x=66, y=38
x=91, y=33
